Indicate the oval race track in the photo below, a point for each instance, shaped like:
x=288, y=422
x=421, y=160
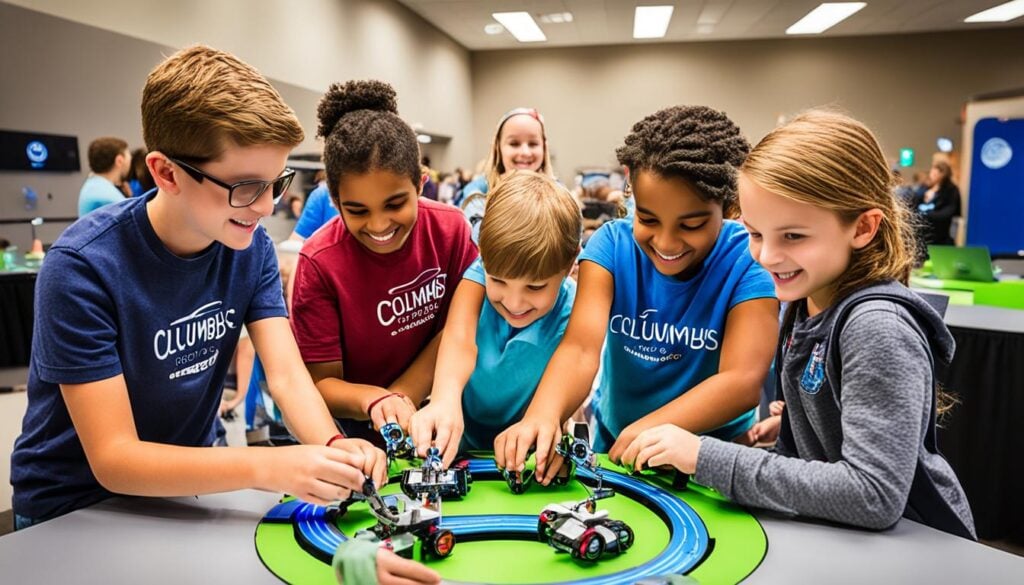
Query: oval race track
x=688, y=537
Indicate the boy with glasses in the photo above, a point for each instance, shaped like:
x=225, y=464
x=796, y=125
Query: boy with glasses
x=140, y=305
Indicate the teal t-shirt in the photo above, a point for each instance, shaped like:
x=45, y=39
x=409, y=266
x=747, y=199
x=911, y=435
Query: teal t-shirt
x=509, y=364
x=665, y=335
x=97, y=192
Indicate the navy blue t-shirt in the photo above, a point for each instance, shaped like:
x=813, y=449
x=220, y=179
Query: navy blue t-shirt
x=111, y=299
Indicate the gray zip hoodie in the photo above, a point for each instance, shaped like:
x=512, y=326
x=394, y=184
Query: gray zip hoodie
x=851, y=452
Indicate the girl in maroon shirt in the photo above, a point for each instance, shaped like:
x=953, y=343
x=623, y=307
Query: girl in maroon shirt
x=372, y=287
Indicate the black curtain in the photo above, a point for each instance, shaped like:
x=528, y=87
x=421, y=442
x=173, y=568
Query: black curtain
x=16, y=294
x=983, y=436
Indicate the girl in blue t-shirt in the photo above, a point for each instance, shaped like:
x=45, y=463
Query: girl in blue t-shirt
x=686, y=318
x=860, y=354
x=520, y=142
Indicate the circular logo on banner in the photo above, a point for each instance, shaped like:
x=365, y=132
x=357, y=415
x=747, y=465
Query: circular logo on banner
x=36, y=151
x=996, y=153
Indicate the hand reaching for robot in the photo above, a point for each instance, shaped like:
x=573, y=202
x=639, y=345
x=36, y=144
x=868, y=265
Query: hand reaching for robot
x=312, y=473
x=395, y=407
x=512, y=447
x=440, y=425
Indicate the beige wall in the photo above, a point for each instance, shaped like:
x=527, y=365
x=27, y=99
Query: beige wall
x=12, y=409
x=909, y=88
x=311, y=44
x=60, y=76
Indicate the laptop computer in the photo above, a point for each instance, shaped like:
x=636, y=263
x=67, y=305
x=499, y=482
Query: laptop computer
x=961, y=263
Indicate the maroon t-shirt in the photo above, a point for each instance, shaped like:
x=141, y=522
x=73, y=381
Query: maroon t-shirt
x=376, y=312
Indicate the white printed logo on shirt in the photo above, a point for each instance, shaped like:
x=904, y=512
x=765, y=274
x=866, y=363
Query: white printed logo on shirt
x=660, y=342
x=189, y=340
x=413, y=303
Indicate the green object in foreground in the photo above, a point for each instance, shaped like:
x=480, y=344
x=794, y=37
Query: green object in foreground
x=356, y=561
x=739, y=543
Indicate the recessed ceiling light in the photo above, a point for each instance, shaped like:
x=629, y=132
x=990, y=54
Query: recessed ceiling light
x=1001, y=13
x=651, y=22
x=521, y=25
x=556, y=18
x=423, y=138
x=494, y=29
x=824, y=17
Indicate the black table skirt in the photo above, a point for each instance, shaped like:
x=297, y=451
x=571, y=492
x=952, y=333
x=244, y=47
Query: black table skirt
x=983, y=436
x=16, y=297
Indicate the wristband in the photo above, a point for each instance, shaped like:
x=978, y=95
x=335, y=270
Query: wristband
x=369, y=409
x=335, y=438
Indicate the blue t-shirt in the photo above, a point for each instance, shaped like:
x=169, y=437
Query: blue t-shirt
x=474, y=210
x=509, y=364
x=111, y=299
x=665, y=335
x=317, y=211
x=96, y=192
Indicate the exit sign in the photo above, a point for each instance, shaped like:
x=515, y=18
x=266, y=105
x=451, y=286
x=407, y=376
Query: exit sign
x=906, y=157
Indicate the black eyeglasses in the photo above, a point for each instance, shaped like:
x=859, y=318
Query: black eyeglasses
x=242, y=193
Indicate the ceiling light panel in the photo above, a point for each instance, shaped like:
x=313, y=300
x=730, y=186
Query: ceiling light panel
x=651, y=22
x=1001, y=13
x=521, y=25
x=824, y=17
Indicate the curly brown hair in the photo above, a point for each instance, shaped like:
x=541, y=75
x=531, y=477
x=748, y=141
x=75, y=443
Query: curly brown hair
x=362, y=132
x=695, y=143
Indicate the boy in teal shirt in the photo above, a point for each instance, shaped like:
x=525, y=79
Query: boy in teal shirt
x=493, y=353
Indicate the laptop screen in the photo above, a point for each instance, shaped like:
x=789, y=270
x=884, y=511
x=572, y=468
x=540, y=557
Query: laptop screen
x=961, y=263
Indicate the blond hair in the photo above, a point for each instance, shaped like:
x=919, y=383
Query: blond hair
x=531, y=228
x=495, y=166
x=832, y=161
x=200, y=100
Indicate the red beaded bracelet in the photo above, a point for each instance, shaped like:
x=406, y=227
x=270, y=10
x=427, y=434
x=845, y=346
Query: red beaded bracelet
x=369, y=409
x=335, y=438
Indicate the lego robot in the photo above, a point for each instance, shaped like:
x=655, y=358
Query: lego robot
x=582, y=530
x=401, y=521
x=432, y=483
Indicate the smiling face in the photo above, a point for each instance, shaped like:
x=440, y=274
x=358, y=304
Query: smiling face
x=521, y=301
x=378, y=208
x=210, y=217
x=806, y=248
x=674, y=225
x=521, y=144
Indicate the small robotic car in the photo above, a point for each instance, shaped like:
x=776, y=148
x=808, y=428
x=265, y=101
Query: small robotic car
x=434, y=483
x=401, y=520
x=581, y=530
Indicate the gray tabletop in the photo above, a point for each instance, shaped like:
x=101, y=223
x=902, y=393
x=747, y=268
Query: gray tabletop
x=210, y=540
x=982, y=317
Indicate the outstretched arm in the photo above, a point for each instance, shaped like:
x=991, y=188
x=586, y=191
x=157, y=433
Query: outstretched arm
x=566, y=381
x=747, y=349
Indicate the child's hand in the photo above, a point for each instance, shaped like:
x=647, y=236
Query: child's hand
x=625, y=439
x=312, y=473
x=398, y=409
x=776, y=407
x=512, y=447
x=665, y=444
x=375, y=462
x=394, y=570
x=439, y=423
x=765, y=431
